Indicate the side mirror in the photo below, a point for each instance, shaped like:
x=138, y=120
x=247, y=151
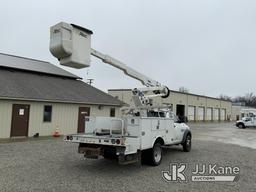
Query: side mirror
x=183, y=119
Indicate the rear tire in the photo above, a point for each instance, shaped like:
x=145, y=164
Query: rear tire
x=187, y=143
x=155, y=155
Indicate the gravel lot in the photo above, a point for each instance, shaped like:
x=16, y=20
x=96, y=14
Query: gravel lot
x=52, y=165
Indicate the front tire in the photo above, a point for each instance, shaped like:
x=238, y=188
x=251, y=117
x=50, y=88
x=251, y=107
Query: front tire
x=187, y=143
x=241, y=126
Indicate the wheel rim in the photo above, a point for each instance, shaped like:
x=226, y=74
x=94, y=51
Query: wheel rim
x=240, y=126
x=157, y=154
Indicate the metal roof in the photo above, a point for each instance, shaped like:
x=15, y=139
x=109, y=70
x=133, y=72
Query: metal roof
x=23, y=85
x=26, y=64
x=179, y=92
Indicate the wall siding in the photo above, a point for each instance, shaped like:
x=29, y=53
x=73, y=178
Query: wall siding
x=64, y=117
x=182, y=99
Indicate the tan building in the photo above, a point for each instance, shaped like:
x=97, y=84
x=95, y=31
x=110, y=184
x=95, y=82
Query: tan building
x=36, y=98
x=194, y=107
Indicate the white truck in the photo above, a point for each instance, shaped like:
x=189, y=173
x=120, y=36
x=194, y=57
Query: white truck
x=141, y=132
x=249, y=119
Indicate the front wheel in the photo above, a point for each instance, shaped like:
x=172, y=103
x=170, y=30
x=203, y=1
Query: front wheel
x=187, y=144
x=241, y=126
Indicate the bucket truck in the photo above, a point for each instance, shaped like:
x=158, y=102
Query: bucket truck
x=141, y=132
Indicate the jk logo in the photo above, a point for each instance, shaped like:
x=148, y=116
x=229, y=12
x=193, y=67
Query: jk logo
x=176, y=173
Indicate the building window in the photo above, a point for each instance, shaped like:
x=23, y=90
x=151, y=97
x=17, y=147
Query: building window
x=112, y=112
x=47, y=113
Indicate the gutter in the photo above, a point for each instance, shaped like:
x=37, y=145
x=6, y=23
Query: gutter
x=58, y=101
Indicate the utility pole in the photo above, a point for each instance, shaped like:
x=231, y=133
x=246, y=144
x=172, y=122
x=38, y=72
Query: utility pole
x=90, y=81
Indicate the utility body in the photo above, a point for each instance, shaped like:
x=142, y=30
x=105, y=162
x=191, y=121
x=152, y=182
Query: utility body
x=142, y=130
x=139, y=135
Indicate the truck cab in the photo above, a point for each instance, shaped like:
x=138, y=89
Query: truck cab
x=246, y=122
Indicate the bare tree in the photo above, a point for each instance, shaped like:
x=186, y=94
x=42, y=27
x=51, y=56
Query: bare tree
x=249, y=99
x=225, y=97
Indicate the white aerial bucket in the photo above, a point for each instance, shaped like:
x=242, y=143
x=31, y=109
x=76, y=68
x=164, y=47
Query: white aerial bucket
x=71, y=45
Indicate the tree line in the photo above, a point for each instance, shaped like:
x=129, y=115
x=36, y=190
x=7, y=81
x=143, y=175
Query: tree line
x=249, y=99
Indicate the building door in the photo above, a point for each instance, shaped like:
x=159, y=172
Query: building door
x=20, y=119
x=191, y=113
x=82, y=114
x=180, y=112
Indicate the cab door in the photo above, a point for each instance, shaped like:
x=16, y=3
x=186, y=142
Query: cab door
x=248, y=121
x=254, y=121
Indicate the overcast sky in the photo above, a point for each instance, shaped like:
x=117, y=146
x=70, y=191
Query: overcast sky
x=207, y=46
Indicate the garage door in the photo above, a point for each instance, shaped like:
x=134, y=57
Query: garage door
x=191, y=113
x=209, y=114
x=216, y=114
x=200, y=113
x=223, y=114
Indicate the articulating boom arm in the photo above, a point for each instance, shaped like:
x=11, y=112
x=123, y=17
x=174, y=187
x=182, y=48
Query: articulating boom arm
x=71, y=45
x=127, y=70
x=151, y=85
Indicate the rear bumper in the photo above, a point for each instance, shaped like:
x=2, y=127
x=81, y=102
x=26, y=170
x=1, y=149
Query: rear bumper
x=115, y=144
x=99, y=140
x=94, y=150
x=118, y=153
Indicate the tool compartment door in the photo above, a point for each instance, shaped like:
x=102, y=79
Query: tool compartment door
x=146, y=133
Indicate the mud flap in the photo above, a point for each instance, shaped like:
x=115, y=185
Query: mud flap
x=92, y=153
x=129, y=159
